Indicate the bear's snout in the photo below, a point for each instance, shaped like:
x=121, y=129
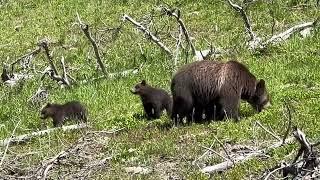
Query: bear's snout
x=133, y=91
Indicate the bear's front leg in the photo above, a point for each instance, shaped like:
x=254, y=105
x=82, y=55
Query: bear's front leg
x=230, y=107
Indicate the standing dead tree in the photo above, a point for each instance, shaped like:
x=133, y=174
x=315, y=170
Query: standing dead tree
x=256, y=43
x=85, y=28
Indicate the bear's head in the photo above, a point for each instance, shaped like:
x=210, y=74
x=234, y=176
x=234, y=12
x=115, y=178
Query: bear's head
x=260, y=100
x=46, y=111
x=137, y=89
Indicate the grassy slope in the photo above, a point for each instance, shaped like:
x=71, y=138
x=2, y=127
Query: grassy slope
x=291, y=71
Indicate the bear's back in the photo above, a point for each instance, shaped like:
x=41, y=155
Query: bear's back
x=210, y=78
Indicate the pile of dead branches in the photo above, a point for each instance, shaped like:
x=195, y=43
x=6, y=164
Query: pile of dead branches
x=82, y=160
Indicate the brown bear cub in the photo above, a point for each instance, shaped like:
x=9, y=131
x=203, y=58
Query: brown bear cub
x=60, y=113
x=154, y=100
x=215, y=88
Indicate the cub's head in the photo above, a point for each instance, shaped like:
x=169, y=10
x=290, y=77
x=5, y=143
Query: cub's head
x=46, y=111
x=260, y=100
x=138, y=88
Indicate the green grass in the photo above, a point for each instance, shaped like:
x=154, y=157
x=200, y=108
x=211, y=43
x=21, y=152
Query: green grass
x=291, y=70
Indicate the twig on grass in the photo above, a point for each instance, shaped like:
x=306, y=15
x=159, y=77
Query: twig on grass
x=264, y=128
x=289, y=123
x=225, y=150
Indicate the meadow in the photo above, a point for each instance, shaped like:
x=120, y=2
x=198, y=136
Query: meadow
x=291, y=70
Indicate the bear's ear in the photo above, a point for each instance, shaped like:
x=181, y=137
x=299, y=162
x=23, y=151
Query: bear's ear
x=143, y=82
x=260, y=86
x=48, y=105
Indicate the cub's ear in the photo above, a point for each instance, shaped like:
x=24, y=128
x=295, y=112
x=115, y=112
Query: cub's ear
x=48, y=105
x=143, y=82
x=260, y=88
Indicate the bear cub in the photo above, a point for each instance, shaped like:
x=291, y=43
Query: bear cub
x=62, y=112
x=154, y=100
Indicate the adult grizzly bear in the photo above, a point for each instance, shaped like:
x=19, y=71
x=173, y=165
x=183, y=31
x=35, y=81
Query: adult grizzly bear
x=198, y=87
x=59, y=113
x=154, y=100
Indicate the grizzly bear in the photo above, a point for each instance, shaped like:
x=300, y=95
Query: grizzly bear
x=216, y=89
x=154, y=100
x=60, y=113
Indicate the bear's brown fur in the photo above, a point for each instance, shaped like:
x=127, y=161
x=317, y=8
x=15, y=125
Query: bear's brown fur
x=154, y=100
x=201, y=85
x=59, y=113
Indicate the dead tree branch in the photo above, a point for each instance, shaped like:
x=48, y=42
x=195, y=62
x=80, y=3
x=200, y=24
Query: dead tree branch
x=52, y=71
x=228, y=164
x=30, y=54
x=148, y=33
x=224, y=149
x=286, y=34
x=177, y=52
x=65, y=75
x=85, y=28
x=254, y=40
x=44, y=44
x=305, y=166
x=177, y=15
x=26, y=137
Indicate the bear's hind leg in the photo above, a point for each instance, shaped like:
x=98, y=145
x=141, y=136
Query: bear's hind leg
x=156, y=111
x=148, y=110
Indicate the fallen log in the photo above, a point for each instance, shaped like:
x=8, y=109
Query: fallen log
x=27, y=137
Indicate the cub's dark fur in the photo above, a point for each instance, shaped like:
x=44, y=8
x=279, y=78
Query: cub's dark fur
x=59, y=113
x=200, y=86
x=5, y=75
x=154, y=100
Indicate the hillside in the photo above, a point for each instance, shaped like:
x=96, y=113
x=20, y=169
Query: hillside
x=119, y=135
